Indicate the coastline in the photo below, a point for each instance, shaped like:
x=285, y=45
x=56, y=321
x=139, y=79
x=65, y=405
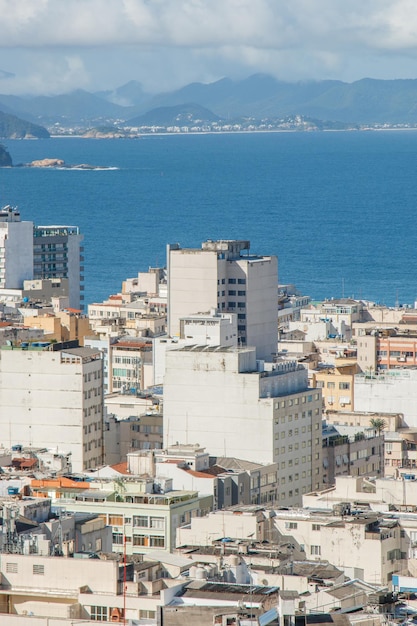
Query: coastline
x=239, y=132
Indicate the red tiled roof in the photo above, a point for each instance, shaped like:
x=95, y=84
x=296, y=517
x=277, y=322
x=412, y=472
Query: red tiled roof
x=197, y=474
x=24, y=463
x=120, y=467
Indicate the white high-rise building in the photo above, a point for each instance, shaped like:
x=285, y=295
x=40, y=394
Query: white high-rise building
x=29, y=252
x=51, y=397
x=233, y=405
x=225, y=276
x=57, y=254
x=16, y=249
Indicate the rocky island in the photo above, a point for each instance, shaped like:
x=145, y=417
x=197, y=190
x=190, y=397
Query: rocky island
x=6, y=161
x=60, y=164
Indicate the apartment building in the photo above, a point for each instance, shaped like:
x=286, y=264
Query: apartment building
x=221, y=276
x=386, y=348
x=16, y=249
x=130, y=365
x=72, y=590
x=234, y=405
x=334, y=317
x=57, y=253
x=142, y=520
x=29, y=252
x=337, y=384
x=51, y=396
x=366, y=546
x=230, y=481
x=351, y=451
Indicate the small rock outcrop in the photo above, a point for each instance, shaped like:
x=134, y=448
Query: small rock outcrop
x=47, y=163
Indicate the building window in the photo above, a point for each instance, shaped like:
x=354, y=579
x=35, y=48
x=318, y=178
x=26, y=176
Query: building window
x=142, y=521
x=344, y=385
x=118, y=539
x=241, y=281
x=38, y=569
x=158, y=522
x=315, y=550
x=291, y=525
x=330, y=385
x=231, y=292
x=157, y=542
x=232, y=281
x=140, y=540
x=98, y=613
x=11, y=568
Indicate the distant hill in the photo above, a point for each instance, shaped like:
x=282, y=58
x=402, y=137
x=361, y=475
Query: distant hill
x=261, y=96
x=178, y=115
x=70, y=109
x=129, y=95
x=367, y=101
x=12, y=127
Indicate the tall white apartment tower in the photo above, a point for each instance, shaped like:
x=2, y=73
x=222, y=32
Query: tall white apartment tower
x=16, y=249
x=224, y=275
x=52, y=397
x=57, y=254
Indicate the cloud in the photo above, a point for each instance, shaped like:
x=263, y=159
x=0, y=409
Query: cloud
x=91, y=41
x=208, y=23
x=4, y=75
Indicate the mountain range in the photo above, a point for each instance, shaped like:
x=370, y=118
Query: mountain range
x=367, y=101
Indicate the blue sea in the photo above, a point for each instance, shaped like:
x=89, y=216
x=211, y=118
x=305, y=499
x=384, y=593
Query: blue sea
x=337, y=208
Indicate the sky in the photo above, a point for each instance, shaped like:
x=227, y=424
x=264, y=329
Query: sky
x=56, y=46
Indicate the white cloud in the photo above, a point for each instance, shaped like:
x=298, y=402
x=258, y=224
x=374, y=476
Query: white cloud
x=88, y=42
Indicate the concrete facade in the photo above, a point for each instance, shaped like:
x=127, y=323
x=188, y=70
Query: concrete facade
x=16, y=249
x=366, y=547
x=53, y=399
x=337, y=384
x=219, y=276
x=353, y=452
x=57, y=254
x=391, y=391
x=232, y=405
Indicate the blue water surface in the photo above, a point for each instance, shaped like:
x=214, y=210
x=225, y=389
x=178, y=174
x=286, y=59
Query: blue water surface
x=337, y=208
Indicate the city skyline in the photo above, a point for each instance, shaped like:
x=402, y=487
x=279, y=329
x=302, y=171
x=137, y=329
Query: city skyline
x=55, y=47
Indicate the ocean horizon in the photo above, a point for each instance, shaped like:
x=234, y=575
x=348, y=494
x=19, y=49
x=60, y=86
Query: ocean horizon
x=337, y=208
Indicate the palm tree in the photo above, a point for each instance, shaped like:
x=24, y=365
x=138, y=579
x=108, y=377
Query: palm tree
x=378, y=424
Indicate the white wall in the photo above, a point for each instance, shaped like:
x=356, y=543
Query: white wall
x=17, y=240
x=42, y=403
x=394, y=391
